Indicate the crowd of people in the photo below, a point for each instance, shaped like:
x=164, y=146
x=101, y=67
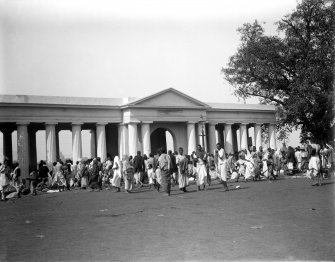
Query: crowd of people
x=165, y=169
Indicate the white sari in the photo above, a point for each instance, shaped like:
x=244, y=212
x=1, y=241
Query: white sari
x=116, y=181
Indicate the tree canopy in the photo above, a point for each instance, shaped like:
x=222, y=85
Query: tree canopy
x=293, y=70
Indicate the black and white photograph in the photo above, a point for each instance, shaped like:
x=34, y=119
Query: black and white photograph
x=167, y=130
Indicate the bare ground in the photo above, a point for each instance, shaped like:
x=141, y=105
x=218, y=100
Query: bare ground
x=282, y=220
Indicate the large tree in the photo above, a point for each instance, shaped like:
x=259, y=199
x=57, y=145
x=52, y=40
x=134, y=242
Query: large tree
x=293, y=70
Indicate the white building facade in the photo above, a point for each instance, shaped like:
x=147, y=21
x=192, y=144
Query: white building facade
x=122, y=128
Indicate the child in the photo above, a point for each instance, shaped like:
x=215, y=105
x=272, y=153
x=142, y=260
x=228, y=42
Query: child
x=151, y=175
x=158, y=178
x=33, y=182
x=241, y=163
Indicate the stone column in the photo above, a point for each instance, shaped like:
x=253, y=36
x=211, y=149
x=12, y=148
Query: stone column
x=228, y=145
x=191, y=139
x=217, y=136
x=212, y=139
x=132, y=138
x=32, y=147
x=76, y=142
x=93, y=146
x=22, y=148
x=145, y=131
x=51, y=143
x=101, y=141
x=244, y=136
x=57, y=142
x=7, y=143
x=258, y=135
x=123, y=140
x=238, y=138
x=272, y=136
x=202, y=141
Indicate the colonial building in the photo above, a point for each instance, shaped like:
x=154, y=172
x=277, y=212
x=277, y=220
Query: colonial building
x=122, y=126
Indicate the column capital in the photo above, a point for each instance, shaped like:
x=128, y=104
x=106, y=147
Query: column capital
x=134, y=122
x=244, y=123
x=77, y=123
x=23, y=123
x=147, y=122
x=192, y=122
x=229, y=123
x=101, y=123
x=212, y=123
x=51, y=123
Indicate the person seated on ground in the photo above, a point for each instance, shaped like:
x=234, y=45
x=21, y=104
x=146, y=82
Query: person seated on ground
x=42, y=186
x=24, y=188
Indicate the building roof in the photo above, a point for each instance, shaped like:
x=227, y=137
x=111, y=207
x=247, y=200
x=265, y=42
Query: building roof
x=128, y=101
x=232, y=106
x=62, y=100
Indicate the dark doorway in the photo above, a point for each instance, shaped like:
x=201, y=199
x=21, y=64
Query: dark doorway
x=161, y=137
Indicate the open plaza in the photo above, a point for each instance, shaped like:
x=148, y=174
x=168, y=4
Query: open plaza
x=287, y=219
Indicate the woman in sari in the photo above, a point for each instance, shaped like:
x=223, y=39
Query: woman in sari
x=128, y=174
x=116, y=181
x=4, y=177
x=164, y=165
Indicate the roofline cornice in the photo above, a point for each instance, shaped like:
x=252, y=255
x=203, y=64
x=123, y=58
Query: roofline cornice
x=58, y=105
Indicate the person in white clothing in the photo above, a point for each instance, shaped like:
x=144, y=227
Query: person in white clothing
x=116, y=181
x=314, y=168
x=222, y=167
x=298, y=158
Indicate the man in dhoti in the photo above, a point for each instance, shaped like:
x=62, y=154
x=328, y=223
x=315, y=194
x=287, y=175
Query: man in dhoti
x=200, y=157
x=222, y=167
x=182, y=163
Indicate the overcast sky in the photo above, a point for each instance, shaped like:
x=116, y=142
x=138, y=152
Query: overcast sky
x=125, y=48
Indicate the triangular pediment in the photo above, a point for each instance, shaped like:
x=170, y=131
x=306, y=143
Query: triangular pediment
x=168, y=98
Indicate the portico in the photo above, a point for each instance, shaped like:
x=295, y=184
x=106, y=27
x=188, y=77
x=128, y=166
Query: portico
x=122, y=128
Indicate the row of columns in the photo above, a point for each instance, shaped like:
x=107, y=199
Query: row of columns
x=242, y=139
x=127, y=139
x=26, y=143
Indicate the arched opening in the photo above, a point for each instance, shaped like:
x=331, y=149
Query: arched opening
x=161, y=137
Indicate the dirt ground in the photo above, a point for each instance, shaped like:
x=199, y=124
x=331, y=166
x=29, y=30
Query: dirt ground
x=281, y=220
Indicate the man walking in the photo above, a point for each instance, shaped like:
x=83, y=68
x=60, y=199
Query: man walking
x=139, y=167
